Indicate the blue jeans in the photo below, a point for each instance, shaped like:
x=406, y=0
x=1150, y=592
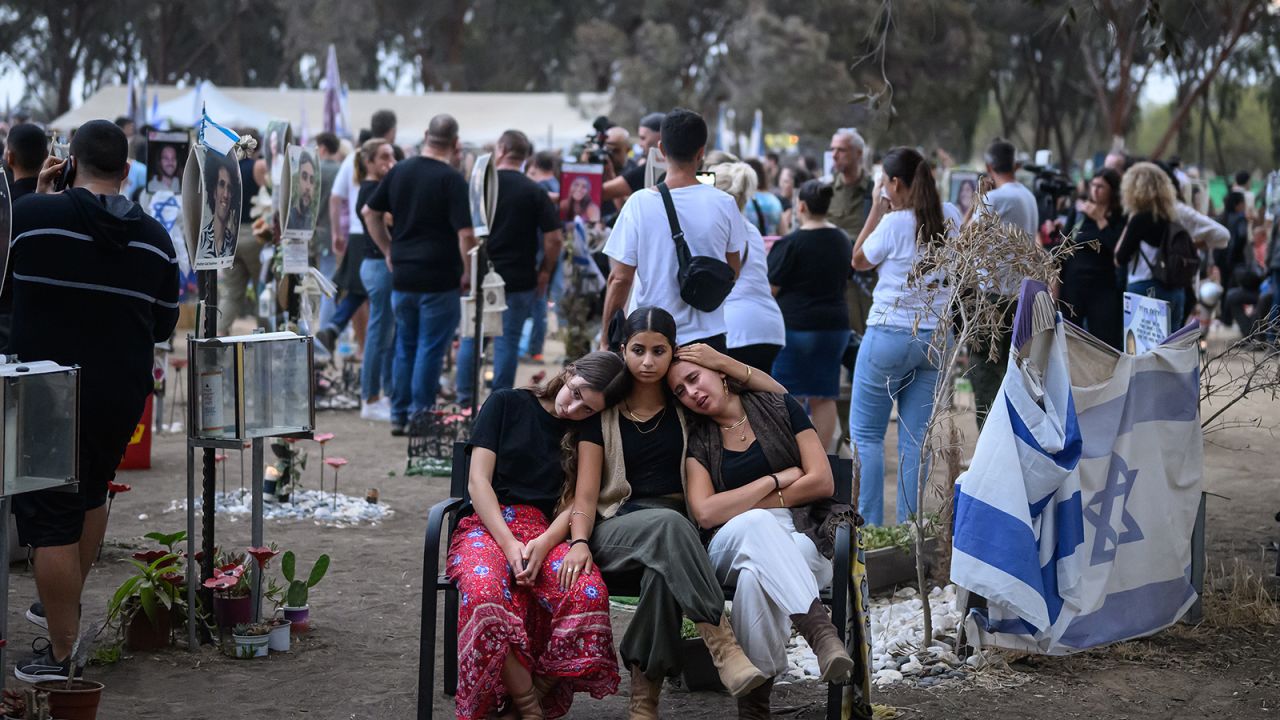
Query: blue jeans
x=375, y=374
x=1274, y=312
x=534, y=333
x=505, y=348
x=345, y=310
x=425, y=324
x=1176, y=298
x=892, y=365
x=328, y=265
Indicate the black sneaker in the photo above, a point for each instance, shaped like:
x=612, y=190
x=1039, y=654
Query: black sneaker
x=42, y=666
x=398, y=429
x=327, y=337
x=35, y=614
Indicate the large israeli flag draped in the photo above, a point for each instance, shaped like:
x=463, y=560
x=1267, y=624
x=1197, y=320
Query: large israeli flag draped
x=1074, y=519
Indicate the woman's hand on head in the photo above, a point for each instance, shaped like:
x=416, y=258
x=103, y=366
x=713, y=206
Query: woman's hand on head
x=704, y=355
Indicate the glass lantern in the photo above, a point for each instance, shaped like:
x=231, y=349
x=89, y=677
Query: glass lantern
x=41, y=425
x=252, y=386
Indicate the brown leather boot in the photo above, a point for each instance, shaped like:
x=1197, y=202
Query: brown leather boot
x=643, y=704
x=755, y=704
x=736, y=671
x=527, y=704
x=816, y=628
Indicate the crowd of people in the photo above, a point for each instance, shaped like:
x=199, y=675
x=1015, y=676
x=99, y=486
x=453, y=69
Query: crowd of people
x=734, y=304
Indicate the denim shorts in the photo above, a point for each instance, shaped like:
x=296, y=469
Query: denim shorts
x=809, y=364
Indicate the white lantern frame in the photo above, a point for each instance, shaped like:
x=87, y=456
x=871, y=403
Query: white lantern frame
x=205, y=383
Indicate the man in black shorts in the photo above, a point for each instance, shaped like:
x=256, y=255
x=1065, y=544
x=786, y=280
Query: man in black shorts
x=94, y=283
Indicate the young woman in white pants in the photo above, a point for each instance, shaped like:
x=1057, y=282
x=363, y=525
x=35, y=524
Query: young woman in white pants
x=757, y=472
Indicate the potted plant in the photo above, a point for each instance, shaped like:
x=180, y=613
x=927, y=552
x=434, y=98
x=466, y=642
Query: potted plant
x=296, y=609
x=250, y=640
x=279, y=634
x=155, y=589
x=70, y=699
x=231, y=588
x=890, y=553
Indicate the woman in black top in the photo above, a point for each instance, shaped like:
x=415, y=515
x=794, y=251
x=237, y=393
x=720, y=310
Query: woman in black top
x=808, y=271
x=1090, y=295
x=525, y=630
x=630, y=470
x=373, y=162
x=758, y=474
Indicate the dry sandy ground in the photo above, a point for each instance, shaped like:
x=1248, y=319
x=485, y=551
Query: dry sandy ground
x=360, y=661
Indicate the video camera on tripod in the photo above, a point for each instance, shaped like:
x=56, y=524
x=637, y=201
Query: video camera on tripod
x=1050, y=186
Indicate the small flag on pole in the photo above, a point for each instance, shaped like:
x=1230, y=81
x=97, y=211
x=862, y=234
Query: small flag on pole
x=214, y=136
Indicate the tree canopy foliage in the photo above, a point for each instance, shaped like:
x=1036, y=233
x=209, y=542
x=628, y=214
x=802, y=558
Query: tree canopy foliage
x=1065, y=74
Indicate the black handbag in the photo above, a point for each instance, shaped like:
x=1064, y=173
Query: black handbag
x=704, y=281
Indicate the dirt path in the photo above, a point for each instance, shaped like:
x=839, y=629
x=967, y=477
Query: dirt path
x=360, y=661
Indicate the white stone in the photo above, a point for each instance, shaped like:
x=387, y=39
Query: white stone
x=887, y=677
x=912, y=668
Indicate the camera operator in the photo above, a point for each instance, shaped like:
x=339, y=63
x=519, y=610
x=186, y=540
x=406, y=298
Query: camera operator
x=94, y=283
x=632, y=178
x=1016, y=206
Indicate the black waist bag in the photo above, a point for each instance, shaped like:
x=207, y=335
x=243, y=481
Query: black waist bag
x=704, y=282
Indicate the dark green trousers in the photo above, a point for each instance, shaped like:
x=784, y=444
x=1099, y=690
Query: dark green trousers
x=676, y=580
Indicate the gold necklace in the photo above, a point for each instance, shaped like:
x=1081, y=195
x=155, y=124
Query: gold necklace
x=635, y=419
x=743, y=436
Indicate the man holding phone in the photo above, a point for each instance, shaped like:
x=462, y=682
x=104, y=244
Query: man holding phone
x=94, y=283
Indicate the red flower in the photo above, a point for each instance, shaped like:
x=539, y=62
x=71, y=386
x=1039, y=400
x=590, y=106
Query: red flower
x=323, y=438
x=172, y=578
x=263, y=555
x=115, y=487
x=150, y=556
x=232, y=571
x=224, y=582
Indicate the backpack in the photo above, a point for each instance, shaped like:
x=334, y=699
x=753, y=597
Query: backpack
x=1177, y=262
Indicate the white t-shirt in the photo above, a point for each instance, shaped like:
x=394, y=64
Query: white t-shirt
x=641, y=238
x=345, y=187
x=891, y=247
x=1016, y=206
x=750, y=312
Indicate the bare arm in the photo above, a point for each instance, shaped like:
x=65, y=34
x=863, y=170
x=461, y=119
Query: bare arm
x=615, y=189
x=337, y=208
x=466, y=241
x=551, y=244
x=878, y=208
x=621, y=276
x=376, y=223
x=735, y=261
x=713, y=509
x=815, y=482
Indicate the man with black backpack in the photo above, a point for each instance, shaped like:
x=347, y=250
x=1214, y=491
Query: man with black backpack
x=678, y=245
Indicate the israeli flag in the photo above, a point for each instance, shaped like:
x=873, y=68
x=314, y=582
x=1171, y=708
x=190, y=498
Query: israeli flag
x=214, y=136
x=1074, y=519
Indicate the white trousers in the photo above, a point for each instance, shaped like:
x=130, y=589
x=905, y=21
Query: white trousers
x=776, y=572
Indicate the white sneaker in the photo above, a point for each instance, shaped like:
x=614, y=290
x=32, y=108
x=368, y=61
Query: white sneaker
x=379, y=411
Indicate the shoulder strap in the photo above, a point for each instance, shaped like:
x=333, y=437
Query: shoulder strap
x=759, y=215
x=676, y=233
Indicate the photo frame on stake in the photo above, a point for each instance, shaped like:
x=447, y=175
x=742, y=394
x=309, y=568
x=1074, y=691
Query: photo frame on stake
x=655, y=167
x=581, y=192
x=300, y=200
x=166, y=160
x=962, y=189
x=279, y=136
x=211, y=197
x=483, y=199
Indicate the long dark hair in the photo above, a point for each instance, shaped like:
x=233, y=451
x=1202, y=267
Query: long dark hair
x=913, y=170
x=604, y=372
x=1114, y=208
x=650, y=318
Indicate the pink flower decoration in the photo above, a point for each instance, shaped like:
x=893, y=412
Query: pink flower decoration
x=323, y=438
x=115, y=488
x=225, y=582
x=263, y=555
x=335, y=462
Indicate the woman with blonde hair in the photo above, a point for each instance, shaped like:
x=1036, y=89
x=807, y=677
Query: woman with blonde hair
x=756, y=332
x=1149, y=200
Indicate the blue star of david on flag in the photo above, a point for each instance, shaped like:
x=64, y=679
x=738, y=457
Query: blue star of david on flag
x=1100, y=511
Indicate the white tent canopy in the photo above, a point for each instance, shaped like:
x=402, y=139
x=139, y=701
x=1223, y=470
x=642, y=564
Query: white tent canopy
x=549, y=119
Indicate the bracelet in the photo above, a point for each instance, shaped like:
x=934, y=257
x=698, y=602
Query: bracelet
x=781, y=501
x=777, y=486
x=748, y=380
x=576, y=512
x=575, y=542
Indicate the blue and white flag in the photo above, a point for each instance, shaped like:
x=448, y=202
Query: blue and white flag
x=1074, y=519
x=215, y=137
x=755, y=143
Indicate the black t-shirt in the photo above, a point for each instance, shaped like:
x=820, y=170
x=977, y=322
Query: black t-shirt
x=249, y=189
x=429, y=200
x=25, y=186
x=371, y=251
x=523, y=209
x=1141, y=228
x=526, y=438
x=811, y=269
x=652, y=457
x=1087, y=265
x=738, y=468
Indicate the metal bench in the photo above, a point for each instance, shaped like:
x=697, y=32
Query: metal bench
x=443, y=519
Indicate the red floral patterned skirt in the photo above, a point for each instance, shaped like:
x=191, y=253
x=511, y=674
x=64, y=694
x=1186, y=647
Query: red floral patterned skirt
x=554, y=633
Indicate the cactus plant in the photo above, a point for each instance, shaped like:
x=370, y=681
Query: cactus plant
x=296, y=594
